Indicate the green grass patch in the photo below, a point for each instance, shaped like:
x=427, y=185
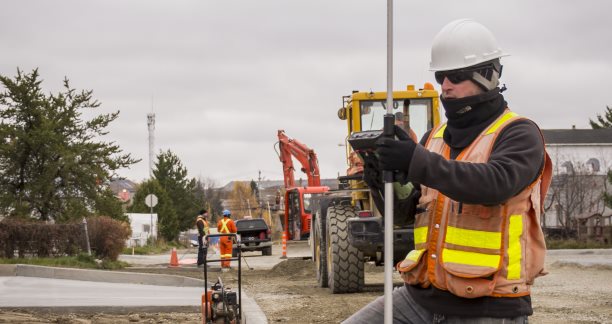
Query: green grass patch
x=574, y=244
x=158, y=247
x=82, y=261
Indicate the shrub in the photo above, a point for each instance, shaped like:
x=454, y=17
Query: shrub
x=32, y=238
x=107, y=236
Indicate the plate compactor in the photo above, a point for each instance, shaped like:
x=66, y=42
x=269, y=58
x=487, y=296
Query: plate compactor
x=219, y=303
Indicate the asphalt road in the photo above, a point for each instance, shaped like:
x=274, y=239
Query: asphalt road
x=187, y=258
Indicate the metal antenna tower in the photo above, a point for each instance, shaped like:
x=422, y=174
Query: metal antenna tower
x=151, y=124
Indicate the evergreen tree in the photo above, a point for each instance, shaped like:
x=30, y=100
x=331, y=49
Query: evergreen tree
x=172, y=177
x=166, y=215
x=52, y=163
x=604, y=121
x=208, y=197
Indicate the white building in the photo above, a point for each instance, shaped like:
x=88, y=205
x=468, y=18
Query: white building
x=586, y=153
x=141, y=225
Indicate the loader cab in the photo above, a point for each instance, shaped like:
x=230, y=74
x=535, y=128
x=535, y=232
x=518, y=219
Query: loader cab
x=415, y=114
x=418, y=109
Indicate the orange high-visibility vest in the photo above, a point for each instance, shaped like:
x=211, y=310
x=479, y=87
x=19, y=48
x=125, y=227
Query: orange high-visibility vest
x=226, y=226
x=476, y=250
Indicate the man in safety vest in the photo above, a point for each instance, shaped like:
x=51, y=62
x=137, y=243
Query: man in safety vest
x=225, y=226
x=203, y=230
x=480, y=180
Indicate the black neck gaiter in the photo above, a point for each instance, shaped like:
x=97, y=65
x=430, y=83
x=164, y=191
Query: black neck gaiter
x=469, y=116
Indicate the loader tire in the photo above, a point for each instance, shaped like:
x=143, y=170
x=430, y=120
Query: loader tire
x=320, y=250
x=345, y=262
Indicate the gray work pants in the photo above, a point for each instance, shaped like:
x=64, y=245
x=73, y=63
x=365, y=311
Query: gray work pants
x=406, y=310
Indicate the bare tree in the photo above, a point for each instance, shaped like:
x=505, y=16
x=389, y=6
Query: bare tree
x=242, y=199
x=576, y=192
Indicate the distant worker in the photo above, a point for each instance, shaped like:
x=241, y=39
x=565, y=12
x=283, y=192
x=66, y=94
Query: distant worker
x=203, y=229
x=226, y=226
x=400, y=121
x=480, y=180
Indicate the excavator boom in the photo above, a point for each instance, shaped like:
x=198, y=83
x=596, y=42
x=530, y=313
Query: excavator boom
x=297, y=199
x=289, y=148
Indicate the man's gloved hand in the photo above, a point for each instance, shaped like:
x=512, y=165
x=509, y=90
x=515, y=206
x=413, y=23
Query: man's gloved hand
x=395, y=154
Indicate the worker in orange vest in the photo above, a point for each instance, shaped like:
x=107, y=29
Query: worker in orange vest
x=203, y=229
x=226, y=226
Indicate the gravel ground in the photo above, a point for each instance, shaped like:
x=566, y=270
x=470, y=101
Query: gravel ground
x=288, y=293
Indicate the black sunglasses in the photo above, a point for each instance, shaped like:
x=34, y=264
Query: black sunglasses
x=455, y=76
x=458, y=76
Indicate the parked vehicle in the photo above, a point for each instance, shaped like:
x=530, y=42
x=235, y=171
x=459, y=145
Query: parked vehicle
x=255, y=235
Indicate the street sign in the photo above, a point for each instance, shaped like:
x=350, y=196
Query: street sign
x=151, y=200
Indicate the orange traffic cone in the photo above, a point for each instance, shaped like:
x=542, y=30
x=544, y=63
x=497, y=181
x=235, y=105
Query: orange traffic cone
x=174, y=258
x=284, y=248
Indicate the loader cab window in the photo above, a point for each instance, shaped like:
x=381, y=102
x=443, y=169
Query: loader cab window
x=307, y=203
x=416, y=112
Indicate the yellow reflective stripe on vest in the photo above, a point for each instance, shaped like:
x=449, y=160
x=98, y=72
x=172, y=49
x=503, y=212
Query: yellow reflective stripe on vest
x=470, y=258
x=440, y=131
x=414, y=255
x=502, y=120
x=514, y=247
x=472, y=238
x=206, y=227
x=226, y=256
x=224, y=229
x=420, y=235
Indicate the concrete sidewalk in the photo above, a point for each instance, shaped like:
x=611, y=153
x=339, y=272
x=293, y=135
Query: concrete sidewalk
x=76, y=290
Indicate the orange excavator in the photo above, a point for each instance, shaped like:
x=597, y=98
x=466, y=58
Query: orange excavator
x=296, y=221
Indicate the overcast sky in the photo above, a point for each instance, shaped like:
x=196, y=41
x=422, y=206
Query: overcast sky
x=223, y=76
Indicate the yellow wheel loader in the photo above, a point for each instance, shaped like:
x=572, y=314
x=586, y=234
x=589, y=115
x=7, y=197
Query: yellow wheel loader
x=347, y=224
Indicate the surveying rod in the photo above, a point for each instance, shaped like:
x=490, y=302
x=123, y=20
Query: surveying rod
x=388, y=130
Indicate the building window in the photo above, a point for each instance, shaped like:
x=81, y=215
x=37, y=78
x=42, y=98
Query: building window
x=568, y=167
x=146, y=228
x=593, y=164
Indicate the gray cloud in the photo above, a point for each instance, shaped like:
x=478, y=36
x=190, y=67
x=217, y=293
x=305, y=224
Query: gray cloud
x=224, y=76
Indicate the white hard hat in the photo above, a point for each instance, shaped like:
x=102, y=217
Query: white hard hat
x=463, y=43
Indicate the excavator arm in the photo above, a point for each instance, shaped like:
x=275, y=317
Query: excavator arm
x=290, y=148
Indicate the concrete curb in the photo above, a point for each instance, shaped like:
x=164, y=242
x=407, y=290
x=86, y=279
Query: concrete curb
x=26, y=270
x=252, y=311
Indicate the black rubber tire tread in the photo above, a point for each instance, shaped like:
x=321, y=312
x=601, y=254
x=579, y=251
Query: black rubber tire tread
x=320, y=251
x=347, y=263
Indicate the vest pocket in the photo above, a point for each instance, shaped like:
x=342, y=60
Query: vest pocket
x=472, y=250
x=470, y=287
x=470, y=274
x=412, y=269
